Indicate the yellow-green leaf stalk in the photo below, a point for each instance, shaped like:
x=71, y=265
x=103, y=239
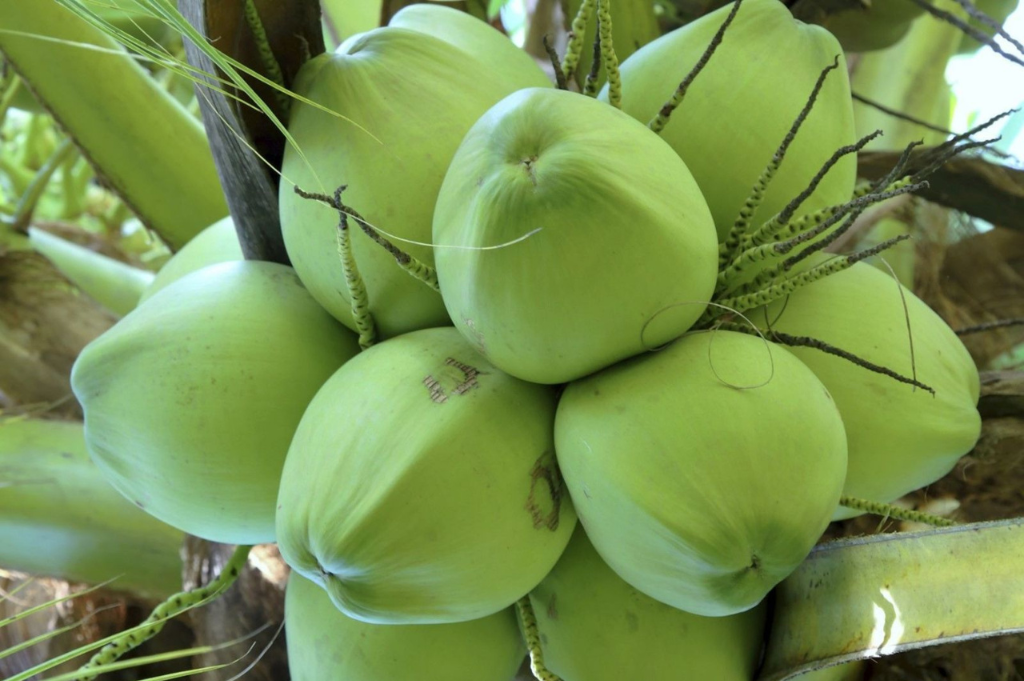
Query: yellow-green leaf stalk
x=864, y=597
x=848, y=671
x=60, y=517
x=144, y=144
x=324, y=643
x=115, y=285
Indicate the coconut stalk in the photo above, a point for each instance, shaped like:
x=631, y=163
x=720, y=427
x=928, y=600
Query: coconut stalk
x=244, y=141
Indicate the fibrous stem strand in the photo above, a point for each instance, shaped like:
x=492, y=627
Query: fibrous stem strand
x=658, y=123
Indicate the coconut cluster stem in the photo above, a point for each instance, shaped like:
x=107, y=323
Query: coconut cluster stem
x=658, y=123
x=773, y=226
x=269, y=61
x=742, y=224
x=829, y=349
x=898, y=114
x=560, y=81
x=780, y=289
x=967, y=29
x=608, y=57
x=172, y=607
x=891, y=511
x=989, y=326
x=811, y=233
x=574, y=50
x=358, y=297
x=417, y=268
x=591, y=82
x=532, y=635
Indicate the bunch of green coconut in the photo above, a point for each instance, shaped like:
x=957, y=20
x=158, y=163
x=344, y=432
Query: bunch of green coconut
x=580, y=358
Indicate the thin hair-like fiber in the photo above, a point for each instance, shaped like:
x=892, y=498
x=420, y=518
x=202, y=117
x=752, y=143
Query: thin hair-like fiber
x=713, y=329
x=906, y=315
x=263, y=652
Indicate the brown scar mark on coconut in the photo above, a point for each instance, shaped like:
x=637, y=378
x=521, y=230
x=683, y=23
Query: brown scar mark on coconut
x=436, y=391
x=468, y=371
x=545, y=468
x=456, y=385
x=553, y=607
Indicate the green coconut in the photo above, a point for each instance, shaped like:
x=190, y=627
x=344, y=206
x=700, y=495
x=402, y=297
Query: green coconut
x=407, y=99
x=610, y=246
x=421, y=486
x=325, y=644
x=900, y=437
x=216, y=244
x=492, y=50
x=879, y=26
x=595, y=627
x=738, y=110
x=703, y=473
x=191, y=400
